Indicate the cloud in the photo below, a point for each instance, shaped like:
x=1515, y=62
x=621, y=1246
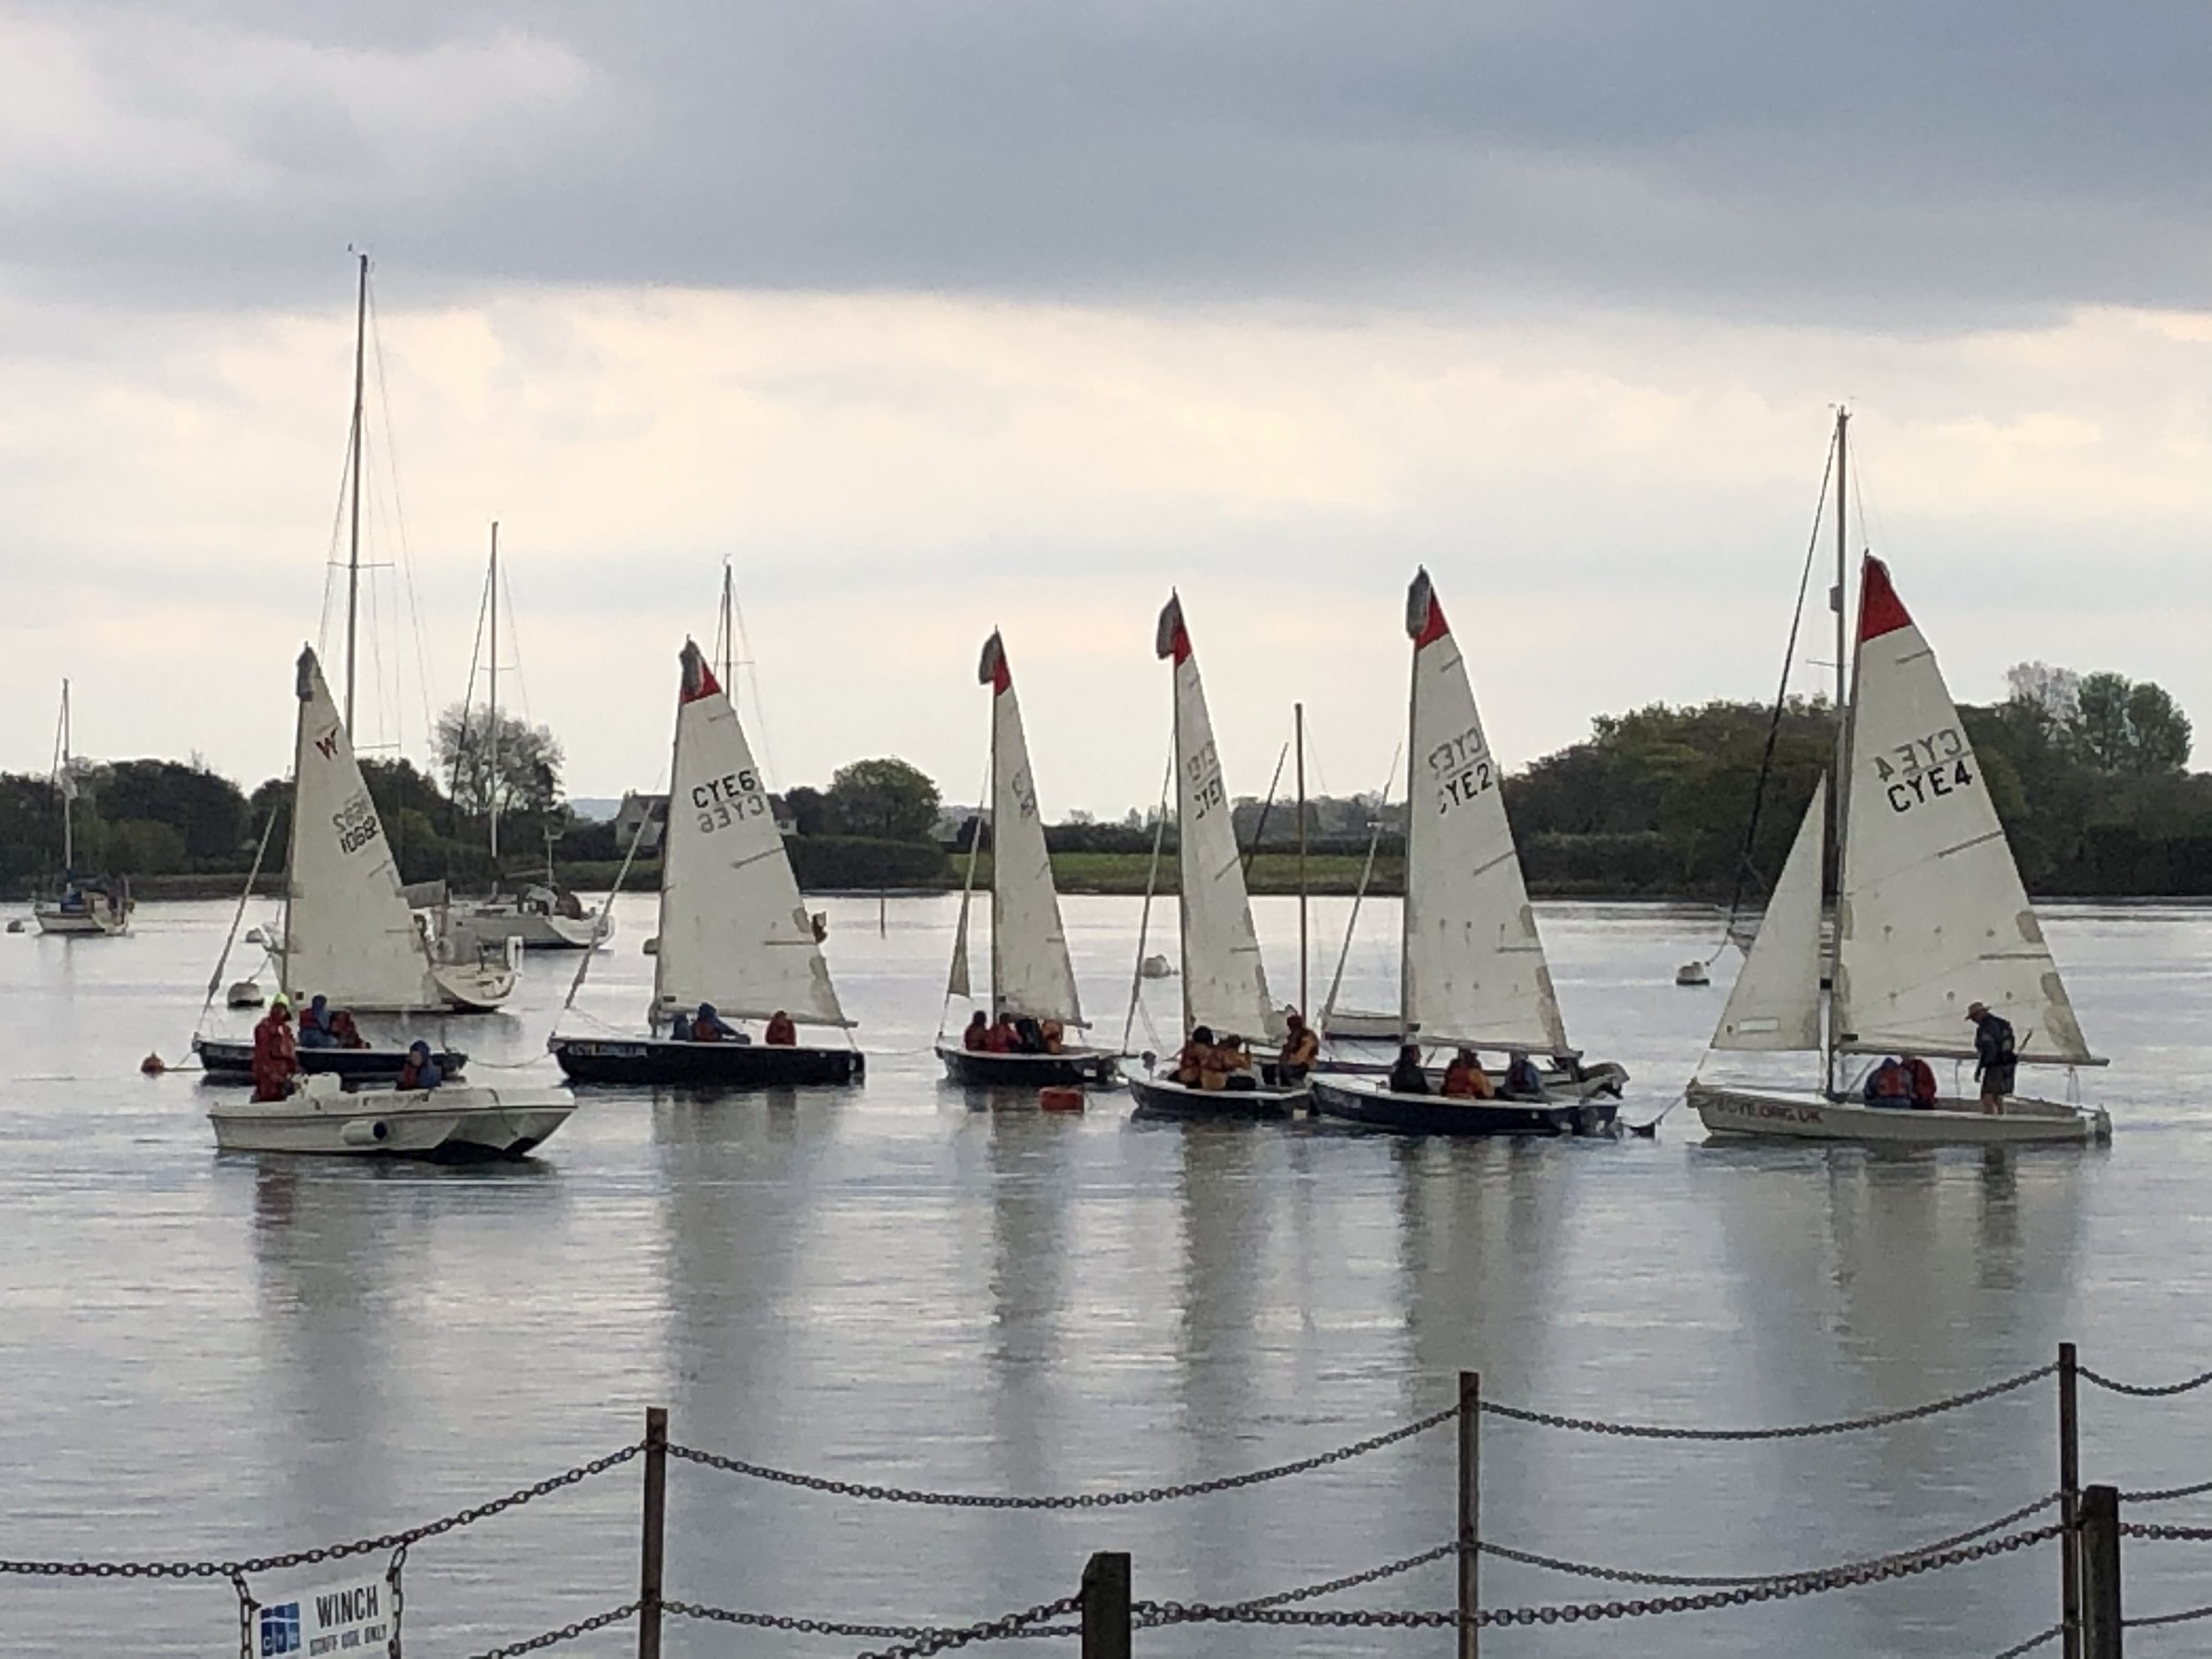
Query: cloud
x=1911, y=166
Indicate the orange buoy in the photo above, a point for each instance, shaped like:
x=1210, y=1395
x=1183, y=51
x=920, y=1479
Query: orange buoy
x=1060, y=1100
x=152, y=1065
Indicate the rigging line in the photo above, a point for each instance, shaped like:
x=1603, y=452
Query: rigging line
x=1359, y=893
x=752, y=674
x=1781, y=700
x=1144, y=917
x=399, y=519
x=604, y=923
x=963, y=954
x=468, y=698
x=1259, y=829
x=222, y=962
x=514, y=641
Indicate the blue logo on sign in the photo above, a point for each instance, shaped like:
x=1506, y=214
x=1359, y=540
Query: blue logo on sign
x=279, y=1629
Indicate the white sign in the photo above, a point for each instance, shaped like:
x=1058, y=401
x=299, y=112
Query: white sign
x=350, y=1619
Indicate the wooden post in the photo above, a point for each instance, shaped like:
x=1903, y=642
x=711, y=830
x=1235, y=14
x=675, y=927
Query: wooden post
x=648, y=1581
x=2068, y=1507
x=1470, y=1492
x=1106, y=1605
x=2101, y=1573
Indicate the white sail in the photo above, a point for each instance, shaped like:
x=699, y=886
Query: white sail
x=1933, y=915
x=1030, y=970
x=1224, y=985
x=1774, y=1006
x=1473, y=968
x=348, y=933
x=732, y=929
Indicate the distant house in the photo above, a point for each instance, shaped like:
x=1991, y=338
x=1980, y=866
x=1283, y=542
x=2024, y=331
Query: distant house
x=651, y=811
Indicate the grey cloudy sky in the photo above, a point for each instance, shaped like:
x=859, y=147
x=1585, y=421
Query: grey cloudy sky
x=937, y=315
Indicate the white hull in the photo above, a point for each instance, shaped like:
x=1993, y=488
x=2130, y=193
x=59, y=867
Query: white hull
x=457, y=1121
x=475, y=987
x=494, y=925
x=1807, y=1115
x=85, y=924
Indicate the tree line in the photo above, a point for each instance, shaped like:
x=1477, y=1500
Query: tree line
x=2088, y=772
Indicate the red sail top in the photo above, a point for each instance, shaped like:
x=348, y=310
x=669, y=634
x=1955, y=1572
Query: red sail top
x=1880, y=609
x=992, y=671
x=1173, y=640
x=699, y=680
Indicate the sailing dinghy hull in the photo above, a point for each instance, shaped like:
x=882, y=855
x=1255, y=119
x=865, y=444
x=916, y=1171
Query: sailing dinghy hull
x=1162, y=1097
x=1369, y=1104
x=1602, y=1080
x=86, y=922
x=1074, y=1069
x=1808, y=1115
x=227, y=1061
x=458, y=1124
x=653, y=1062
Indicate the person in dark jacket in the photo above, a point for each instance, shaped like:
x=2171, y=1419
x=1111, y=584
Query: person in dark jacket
x=419, y=1070
x=1995, y=1057
x=1406, y=1077
x=1524, y=1078
x=1889, y=1085
x=709, y=1026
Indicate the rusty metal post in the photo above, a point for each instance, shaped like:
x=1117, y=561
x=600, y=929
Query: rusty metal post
x=1106, y=1605
x=1470, y=1508
x=2068, y=1507
x=649, y=1557
x=2101, y=1573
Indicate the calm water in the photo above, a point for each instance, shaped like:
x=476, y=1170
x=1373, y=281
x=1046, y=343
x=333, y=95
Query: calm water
x=210, y=1355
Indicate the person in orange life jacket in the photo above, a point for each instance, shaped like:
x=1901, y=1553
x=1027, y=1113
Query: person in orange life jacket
x=1300, y=1048
x=275, y=1055
x=1197, y=1058
x=709, y=1026
x=1466, y=1079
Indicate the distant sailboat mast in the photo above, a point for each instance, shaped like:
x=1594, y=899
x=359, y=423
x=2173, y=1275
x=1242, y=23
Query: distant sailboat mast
x=66, y=785
x=353, y=534
x=1838, y=793
x=491, y=719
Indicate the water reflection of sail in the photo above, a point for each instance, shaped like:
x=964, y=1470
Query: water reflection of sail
x=1030, y=1247
x=1874, y=1282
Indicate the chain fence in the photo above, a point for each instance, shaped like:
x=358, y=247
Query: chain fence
x=2002, y=1535
x=1063, y=1500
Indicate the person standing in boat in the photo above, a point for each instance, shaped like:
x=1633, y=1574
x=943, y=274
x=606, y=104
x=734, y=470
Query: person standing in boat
x=1995, y=1057
x=276, y=1058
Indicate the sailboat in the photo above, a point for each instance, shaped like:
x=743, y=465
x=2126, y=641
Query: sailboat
x=87, y=907
x=541, y=916
x=1224, y=982
x=733, y=932
x=1931, y=916
x=1471, y=967
x=1032, y=978
x=348, y=936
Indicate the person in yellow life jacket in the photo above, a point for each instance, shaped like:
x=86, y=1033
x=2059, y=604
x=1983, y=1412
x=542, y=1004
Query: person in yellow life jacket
x=1466, y=1079
x=1235, y=1061
x=1054, y=1035
x=1301, y=1046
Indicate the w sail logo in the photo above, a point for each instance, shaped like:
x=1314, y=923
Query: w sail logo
x=328, y=743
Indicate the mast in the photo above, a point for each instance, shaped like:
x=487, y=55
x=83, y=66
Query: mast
x=1405, y=900
x=1182, y=860
x=729, y=637
x=353, y=538
x=997, y=860
x=491, y=722
x=68, y=791
x=1837, y=792
x=1298, y=726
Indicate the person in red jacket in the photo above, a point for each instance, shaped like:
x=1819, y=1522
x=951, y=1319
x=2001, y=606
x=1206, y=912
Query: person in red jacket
x=781, y=1032
x=1923, y=1079
x=276, y=1056
x=977, y=1038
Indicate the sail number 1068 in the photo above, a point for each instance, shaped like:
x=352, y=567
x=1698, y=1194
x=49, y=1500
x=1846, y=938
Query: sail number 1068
x=1924, y=770
x=722, y=802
